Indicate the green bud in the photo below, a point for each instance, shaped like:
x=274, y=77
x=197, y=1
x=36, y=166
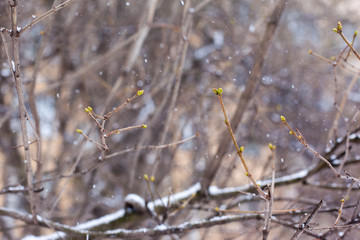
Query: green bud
x=140, y=92
x=146, y=177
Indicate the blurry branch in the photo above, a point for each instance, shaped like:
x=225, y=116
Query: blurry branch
x=147, y=19
x=18, y=189
x=45, y=15
x=343, y=202
x=14, y=63
x=98, y=224
x=356, y=209
x=199, y=6
x=142, y=34
x=341, y=60
x=215, y=192
x=138, y=41
x=327, y=185
x=253, y=81
x=101, y=145
x=270, y=196
x=150, y=147
x=321, y=57
x=355, y=225
x=302, y=140
x=347, y=144
x=32, y=97
x=102, y=160
x=123, y=233
x=95, y=63
x=291, y=225
x=173, y=200
x=305, y=224
x=175, y=79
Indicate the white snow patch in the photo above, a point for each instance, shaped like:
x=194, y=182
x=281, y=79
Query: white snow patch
x=135, y=199
x=160, y=227
x=13, y=65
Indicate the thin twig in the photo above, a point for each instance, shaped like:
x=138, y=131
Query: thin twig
x=16, y=73
x=102, y=160
x=176, y=79
x=239, y=150
x=302, y=140
x=125, y=129
x=128, y=101
x=270, y=196
x=338, y=29
x=305, y=224
x=343, y=202
x=45, y=15
x=321, y=57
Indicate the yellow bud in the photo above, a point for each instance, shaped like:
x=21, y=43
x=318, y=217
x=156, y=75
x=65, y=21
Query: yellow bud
x=217, y=209
x=152, y=178
x=310, y=52
x=79, y=130
x=88, y=109
x=140, y=92
x=144, y=126
x=283, y=119
x=146, y=177
x=242, y=148
x=355, y=33
x=272, y=147
x=220, y=91
x=342, y=200
x=291, y=133
x=246, y=174
x=339, y=26
x=335, y=30
x=215, y=91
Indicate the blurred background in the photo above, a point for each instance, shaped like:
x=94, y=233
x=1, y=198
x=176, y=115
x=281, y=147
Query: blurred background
x=85, y=55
